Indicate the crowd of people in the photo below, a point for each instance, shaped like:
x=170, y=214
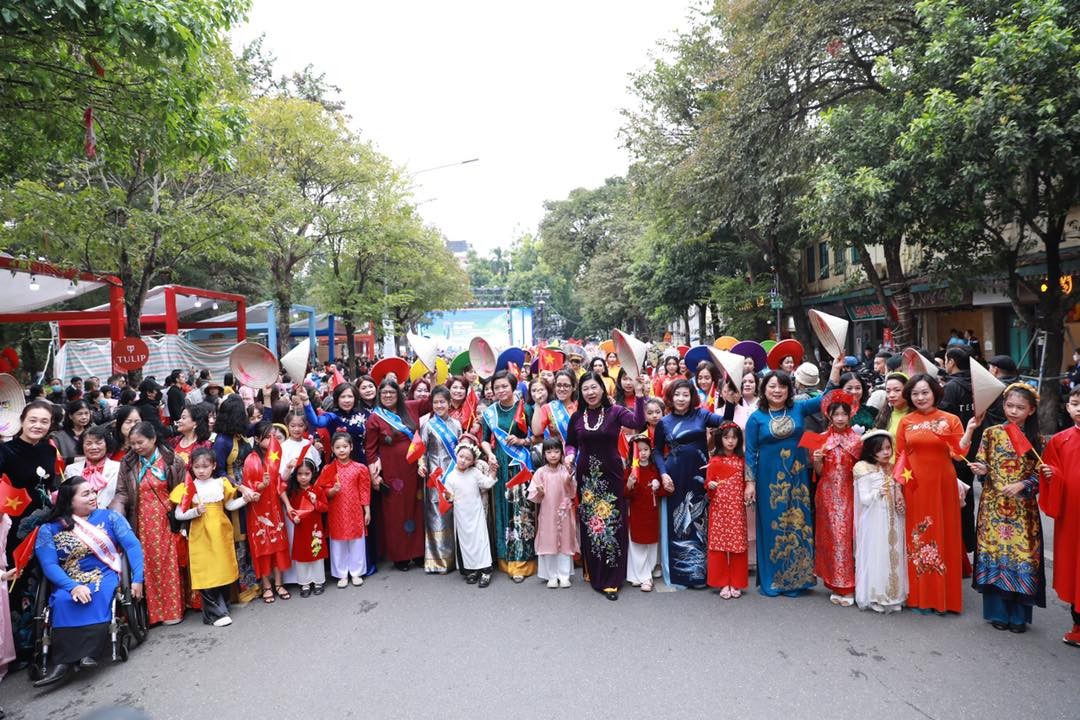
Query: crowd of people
x=219, y=493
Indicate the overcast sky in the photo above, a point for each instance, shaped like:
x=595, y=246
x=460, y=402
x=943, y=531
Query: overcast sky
x=532, y=89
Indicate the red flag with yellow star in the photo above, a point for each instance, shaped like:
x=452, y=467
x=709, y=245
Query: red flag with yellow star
x=13, y=500
x=25, y=551
x=416, y=449
x=273, y=459
x=902, y=470
x=523, y=476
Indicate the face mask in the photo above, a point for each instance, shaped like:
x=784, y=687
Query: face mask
x=57, y=388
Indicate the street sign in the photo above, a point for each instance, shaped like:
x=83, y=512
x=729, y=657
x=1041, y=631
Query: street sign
x=776, y=303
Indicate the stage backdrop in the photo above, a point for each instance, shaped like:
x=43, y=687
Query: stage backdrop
x=86, y=358
x=502, y=327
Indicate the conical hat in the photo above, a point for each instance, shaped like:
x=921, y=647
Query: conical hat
x=914, y=362
x=985, y=388
x=459, y=363
x=789, y=347
x=396, y=365
x=253, y=365
x=482, y=357
x=731, y=363
x=513, y=355
x=725, y=342
x=425, y=350
x=12, y=401
x=831, y=331
x=295, y=361
x=753, y=350
x=768, y=344
x=630, y=350
x=608, y=346
x=697, y=355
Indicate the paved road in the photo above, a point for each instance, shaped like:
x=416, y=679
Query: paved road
x=407, y=645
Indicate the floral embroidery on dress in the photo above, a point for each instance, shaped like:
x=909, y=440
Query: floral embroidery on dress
x=925, y=556
x=316, y=542
x=601, y=516
x=68, y=542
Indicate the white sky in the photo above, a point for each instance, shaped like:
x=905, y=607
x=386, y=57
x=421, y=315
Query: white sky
x=532, y=89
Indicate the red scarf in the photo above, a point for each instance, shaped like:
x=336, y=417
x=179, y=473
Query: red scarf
x=95, y=475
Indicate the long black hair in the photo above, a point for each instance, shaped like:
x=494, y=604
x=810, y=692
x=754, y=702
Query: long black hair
x=620, y=394
x=294, y=484
x=872, y=445
x=200, y=415
x=70, y=409
x=231, y=417
x=400, y=408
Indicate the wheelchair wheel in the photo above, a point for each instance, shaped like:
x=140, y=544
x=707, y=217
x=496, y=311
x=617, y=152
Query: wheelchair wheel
x=135, y=613
x=42, y=628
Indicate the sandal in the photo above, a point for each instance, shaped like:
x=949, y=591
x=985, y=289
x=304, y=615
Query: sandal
x=736, y=592
x=268, y=595
x=282, y=592
x=646, y=586
x=725, y=593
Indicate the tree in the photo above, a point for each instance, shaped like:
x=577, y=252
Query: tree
x=999, y=132
x=310, y=169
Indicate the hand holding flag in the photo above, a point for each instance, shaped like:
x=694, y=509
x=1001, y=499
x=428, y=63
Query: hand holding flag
x=812, y=441
x=273, y=458
x=416, y=449
x=23, y=552
x=13, y=500
x=902, y=470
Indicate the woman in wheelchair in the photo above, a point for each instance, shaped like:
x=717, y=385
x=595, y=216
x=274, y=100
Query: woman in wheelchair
x=77, y=548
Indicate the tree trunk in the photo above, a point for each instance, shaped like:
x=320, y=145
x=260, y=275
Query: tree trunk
x=1050, y=367
x=904, y=331
x=283, y=307
x=350, y=349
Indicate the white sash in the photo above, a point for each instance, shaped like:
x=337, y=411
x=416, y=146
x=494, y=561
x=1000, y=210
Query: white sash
x=98, y=541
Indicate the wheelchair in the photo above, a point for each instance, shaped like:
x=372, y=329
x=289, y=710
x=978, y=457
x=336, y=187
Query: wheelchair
x=129, y=622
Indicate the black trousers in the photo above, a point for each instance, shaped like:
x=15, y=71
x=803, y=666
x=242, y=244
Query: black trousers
x=215, y=604
x=967, y=513
x=1076, y=615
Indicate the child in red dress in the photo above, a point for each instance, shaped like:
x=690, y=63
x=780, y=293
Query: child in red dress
x=643, y=490
x=305, y=503
x=726, y=484
x=348, y=489
x=267, y=540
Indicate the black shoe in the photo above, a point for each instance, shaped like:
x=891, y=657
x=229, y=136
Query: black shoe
x=88, y=662
x=612, y=595
x=318, y=589
x=403, y=566
x=1021, y=628
x=418, y=562
x=305, y=591
x=472, y=578
x=485, y=579
x=1000, y=625
x=58, y=673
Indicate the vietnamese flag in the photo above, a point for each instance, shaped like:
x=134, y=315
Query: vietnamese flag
x=303, y=452
x=624, y=445
x=273, y=458
x=24, y=551
x=434, y=479
x=336, y=378
x=1019, y=440
x=328, y=476
x=468, y=410
x=13, y=500
x=521, y=478
x=519, y=417
x=902, y=471
x=189, y=492
x=416, y=449
x=59, y=465
x=812, y=441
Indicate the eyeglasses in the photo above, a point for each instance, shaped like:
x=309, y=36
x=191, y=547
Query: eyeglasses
x=575, y=361
x=565, y=386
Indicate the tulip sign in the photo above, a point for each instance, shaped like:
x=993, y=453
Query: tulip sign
x=130, y=353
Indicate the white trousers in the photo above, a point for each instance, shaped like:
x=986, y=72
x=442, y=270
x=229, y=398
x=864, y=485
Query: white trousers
x=640, y=562
x=309, y=572
x=555, y=566
x=348, y=556
x=289, y=576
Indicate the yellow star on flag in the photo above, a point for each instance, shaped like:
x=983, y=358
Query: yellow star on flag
x=275, y=456
x=907, y=474
x=13, y=503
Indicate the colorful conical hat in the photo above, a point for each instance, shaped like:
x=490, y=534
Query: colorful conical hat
x=253, y=365
x=725, y=342
x=697, y=355
x=914, y=362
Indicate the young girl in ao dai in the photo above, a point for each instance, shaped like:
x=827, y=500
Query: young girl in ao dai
x=881, y=582
x=553, y=488
x=463, y=486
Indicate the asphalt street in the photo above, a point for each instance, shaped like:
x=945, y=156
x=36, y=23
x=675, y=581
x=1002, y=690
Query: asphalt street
x=407, y=645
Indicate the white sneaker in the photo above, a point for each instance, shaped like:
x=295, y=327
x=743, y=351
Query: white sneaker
x=357, y=580
x=657, y=572
x=343, y=582
x=553, y=582
x=564, y=582
x=223, y=622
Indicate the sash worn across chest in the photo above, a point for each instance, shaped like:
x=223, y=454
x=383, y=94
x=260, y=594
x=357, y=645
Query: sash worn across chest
x=518, y=455
x=98, y=541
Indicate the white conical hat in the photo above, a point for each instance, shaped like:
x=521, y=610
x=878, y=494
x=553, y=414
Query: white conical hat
x=253, y=365
x=12, y=401
x=630, y=351
x=985, y=388
x=914, y=362
x=731, y=363
x=482, y=357
x=295, y=361
x=425, y=350
x=831, y=331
